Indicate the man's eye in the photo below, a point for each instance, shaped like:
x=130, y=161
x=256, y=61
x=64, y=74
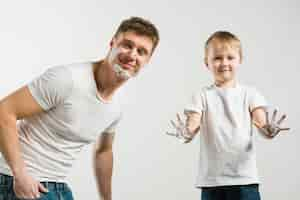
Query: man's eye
x=142, y=52
x=217, y=58
x=127, y=46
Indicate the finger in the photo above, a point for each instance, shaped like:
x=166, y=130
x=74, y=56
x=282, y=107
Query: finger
x=198, y=128
x=265, y=131
x=37, y=195
x=281, y=119
x=284, y=129
x=275, y=133
x=274, y=116
x=42, y=188
x=267, y=117
x=172, y=134
x=35, y=191
x=174, y=124
x=256, y=124
x=187, y=141
x=179, y=120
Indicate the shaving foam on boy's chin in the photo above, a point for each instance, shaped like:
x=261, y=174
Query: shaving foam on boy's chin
x=120, y=72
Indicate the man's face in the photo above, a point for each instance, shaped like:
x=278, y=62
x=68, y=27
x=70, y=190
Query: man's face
x=222, y=60
x=130, y=52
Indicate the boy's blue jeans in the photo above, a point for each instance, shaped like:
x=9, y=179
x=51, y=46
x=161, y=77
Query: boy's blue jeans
x=236, y=192
x=57, y=191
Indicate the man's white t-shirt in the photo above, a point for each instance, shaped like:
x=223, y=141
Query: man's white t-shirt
x=74, y=116
x=227, y=152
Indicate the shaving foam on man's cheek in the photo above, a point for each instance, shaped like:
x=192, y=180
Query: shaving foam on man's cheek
x=113, y=54
x=120, y=72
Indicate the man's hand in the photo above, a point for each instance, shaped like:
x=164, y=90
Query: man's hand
x=271, y=128
x=26, y=187
x=183, y=130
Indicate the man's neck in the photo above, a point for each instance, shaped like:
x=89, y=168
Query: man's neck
x=106, y=81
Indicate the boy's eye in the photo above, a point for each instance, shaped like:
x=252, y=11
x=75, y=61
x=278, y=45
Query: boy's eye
x=230, y=57
x=217, y=58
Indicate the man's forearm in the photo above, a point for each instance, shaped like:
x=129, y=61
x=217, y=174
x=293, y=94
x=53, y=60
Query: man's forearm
x=103, y=164
x=9, y=143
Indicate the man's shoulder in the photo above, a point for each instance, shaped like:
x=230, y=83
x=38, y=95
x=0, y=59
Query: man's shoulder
x=78, y=67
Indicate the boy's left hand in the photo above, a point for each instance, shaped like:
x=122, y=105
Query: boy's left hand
x=271, y=128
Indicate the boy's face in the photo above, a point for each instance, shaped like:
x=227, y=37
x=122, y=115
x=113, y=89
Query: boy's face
x=222, y=60
x=130, y=52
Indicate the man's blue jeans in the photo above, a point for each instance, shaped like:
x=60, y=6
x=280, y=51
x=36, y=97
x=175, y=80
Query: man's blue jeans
x=57, y=191
x=236, y=192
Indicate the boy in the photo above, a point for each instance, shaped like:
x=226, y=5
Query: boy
x=224, y=113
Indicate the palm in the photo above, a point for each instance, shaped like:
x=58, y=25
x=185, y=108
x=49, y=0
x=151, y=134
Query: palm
x=181, y=131
x=273, y=127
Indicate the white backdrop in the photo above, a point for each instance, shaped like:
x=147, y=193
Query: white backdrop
x=35, y=35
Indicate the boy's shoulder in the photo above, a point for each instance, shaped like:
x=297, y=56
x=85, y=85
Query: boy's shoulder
x=241, y=88
x=205, y=89
x=248, y=88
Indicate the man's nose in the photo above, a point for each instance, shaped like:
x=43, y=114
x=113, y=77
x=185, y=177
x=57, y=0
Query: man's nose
x=133, y=53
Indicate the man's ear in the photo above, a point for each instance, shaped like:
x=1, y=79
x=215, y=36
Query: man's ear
x=111, y=42
x=205, y=62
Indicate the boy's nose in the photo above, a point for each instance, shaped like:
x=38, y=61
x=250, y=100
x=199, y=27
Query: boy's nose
x=224, y=61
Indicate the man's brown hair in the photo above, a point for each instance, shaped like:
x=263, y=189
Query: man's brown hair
x=141, y=27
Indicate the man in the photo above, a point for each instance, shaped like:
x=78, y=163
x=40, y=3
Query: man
x=63, y=110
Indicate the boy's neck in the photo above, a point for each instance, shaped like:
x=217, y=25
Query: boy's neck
x=226, y=84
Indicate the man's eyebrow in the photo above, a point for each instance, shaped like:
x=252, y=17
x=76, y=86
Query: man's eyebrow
x=128, y=41
x=140, y=47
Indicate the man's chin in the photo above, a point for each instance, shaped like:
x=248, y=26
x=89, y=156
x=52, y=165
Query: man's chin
x=121, y=73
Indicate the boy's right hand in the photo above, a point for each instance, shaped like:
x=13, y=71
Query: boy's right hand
x=183, y=130
x=25, y=187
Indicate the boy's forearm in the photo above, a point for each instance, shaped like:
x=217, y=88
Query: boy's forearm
x=9, y=143
x=103, y=170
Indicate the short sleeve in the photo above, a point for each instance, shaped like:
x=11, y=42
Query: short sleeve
x=196, y=104
x=52, y=87
x=112, y=127
x=255, y=99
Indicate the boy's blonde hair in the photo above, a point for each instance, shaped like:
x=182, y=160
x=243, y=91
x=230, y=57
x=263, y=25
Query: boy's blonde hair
x=224, y=38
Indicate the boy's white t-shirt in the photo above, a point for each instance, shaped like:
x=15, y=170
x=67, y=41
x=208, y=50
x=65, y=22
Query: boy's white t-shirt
x=227, y=152
x=74, y=116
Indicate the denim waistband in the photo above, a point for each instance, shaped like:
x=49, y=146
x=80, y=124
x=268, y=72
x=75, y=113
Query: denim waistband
x=6, y=180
